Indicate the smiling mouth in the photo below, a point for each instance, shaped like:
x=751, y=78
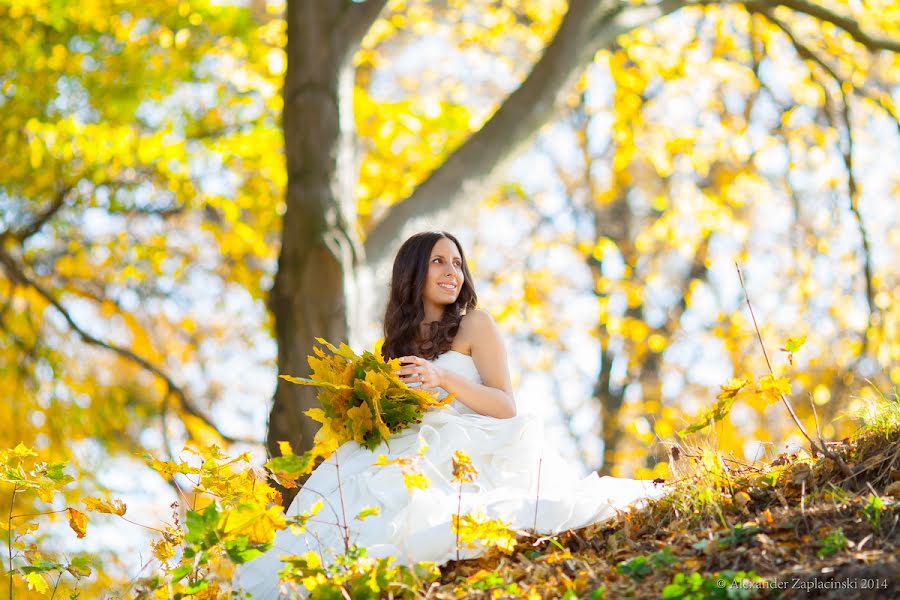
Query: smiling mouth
x=447, y=287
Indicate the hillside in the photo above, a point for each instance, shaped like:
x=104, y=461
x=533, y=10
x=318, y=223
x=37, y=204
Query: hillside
x=729, y=530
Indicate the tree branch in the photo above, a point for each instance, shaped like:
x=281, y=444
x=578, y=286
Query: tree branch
x=847, y=156
x=356, y=20
x=588, y=26
x=806, y=52
x=17, y=275
x=848, y=24
x=41, y=219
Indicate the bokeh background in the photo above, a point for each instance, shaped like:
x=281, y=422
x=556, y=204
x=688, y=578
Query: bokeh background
x=190, y=192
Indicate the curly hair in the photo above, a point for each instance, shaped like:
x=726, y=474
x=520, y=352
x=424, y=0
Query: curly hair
x=405, y=310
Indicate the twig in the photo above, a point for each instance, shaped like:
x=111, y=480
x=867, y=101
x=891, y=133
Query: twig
x=9, y=538
x=847, y=156
x=346, y=528
x=17, y=274
x=803, y=498
x=821, y=448
x=141, y=525
x=37, y=514
x=815, y=413
x=53, y=595
x=538, y=493
x=458, y=511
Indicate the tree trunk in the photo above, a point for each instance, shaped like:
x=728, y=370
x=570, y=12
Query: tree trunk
x=314, y=292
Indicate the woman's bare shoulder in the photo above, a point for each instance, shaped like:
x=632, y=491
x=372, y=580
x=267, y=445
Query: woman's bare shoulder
x=471, y=326
x=476, y=318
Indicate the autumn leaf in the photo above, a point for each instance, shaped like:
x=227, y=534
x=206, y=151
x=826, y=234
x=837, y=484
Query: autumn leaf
x=258, y=523
x=367, y=512
x=21, y=451
x=478, y=527
x=162, y=549
x=361, y=421
x=316, y=414
x=731, y=389
x=77, y=521
x=297, y=523
x=725, y=399
x=116, y=507
x=413, y=477
x=463, y=469
x=793, y=344
x=773, y=387
x=313, y=382
x=37, y=583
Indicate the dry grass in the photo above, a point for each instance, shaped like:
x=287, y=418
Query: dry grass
x=797, y=522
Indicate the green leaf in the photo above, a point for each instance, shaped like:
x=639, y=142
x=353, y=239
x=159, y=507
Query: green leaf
x=197, y=586
x=55, y=473
x=793, y=344
x=180, y=573
x=239, y=550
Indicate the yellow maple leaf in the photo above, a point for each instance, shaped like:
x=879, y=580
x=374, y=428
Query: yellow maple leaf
x=45, y=494
x=21, y=451
x=773, y=387
x=36, y=582
x=490, y=532
x=258, y=523
x=361, y=421
x=793, y=344
x=413, y=480
x=326, y=440
x=463, y=469
x=413, y=477
x=731, y=389
x=367, y=512
x=78, y=521
x=378, y=381
x=116, y=507
x=316, y=414
x=162, y=550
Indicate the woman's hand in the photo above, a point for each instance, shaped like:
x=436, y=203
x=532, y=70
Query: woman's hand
x=415, y=369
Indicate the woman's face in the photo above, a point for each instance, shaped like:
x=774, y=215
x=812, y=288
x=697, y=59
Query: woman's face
x=445, y=275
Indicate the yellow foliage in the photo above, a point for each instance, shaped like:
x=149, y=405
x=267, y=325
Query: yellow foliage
x=463, y=469
x=37, y=583
x=492, y=533
x=362, y=400
x=257, y=522
x=773, y=387
x=413, y=477
x=116, y=507
x=77, y=521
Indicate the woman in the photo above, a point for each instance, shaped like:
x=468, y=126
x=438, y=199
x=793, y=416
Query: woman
x=444, y=343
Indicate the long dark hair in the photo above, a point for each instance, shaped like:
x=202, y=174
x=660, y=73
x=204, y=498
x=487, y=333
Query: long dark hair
x=405, y=309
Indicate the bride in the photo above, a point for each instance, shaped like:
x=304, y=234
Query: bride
x=445, y=344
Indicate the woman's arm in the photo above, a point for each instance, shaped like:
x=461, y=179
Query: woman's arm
x=494, y=398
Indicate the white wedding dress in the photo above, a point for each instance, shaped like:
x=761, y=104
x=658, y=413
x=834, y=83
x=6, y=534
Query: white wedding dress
x=417, y=526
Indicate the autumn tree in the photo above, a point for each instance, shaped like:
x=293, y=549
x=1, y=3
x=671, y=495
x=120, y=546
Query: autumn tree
x=142, y=165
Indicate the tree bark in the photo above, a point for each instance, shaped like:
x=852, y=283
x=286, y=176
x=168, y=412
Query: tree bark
x=314, y=293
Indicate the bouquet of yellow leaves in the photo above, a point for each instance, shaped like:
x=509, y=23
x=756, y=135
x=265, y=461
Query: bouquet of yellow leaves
x=362, y=399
